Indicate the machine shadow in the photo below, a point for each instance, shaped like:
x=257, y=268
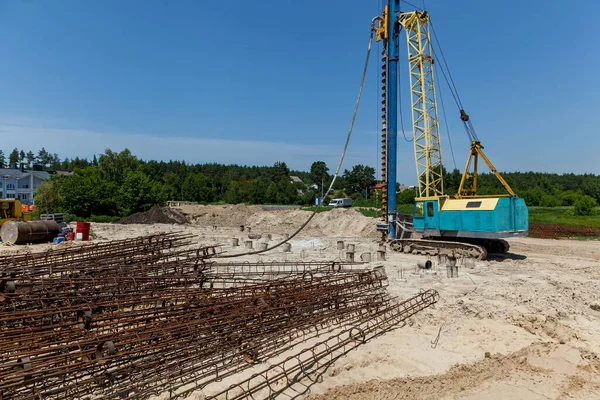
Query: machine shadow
x=505, y=256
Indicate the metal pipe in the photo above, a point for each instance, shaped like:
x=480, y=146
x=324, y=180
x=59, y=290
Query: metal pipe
x=392, y=113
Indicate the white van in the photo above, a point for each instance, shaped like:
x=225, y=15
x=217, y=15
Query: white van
x=346, y=202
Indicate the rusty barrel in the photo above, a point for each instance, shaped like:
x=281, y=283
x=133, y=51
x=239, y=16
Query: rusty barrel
x=18, y=232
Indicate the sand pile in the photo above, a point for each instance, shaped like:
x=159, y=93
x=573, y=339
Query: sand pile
x=156, y=215
x=230, y=215
x=338, y=223
x=334, y=223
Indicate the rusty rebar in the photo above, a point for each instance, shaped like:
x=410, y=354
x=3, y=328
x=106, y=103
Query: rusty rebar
x=137, y=317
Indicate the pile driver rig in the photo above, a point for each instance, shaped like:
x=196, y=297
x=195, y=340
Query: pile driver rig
x=469, y=224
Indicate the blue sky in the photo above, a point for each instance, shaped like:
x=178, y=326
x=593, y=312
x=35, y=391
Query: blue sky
x=257, y=82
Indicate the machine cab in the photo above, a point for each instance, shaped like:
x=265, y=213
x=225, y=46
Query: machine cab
x=425, y=217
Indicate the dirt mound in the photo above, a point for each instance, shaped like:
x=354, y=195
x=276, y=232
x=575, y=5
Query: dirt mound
x=156, y=215
x=556, y=231
x=337, y=223
x=227, y=215
x=494, y=376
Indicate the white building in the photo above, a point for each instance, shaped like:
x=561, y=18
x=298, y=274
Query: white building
x=20, y=184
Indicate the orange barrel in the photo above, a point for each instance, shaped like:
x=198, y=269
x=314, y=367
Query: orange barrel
x=84, y=229
x=33, y=208
x=24, y=208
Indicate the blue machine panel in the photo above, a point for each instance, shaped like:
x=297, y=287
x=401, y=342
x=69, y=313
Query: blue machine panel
x=478, y=218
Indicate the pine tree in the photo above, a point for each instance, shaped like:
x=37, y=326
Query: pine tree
x=13, y=158
x=30, y=157
x=42, y=157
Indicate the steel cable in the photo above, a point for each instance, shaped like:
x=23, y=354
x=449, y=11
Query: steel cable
x=337, y=171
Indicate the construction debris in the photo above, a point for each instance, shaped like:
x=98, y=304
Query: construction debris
x=156, y=215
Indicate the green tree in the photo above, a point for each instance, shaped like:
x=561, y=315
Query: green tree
x=549, y=200
x=195, y=187
x=585, y=205
x=360, y=179
x=54, y=162
x=452, y=181
x=30, y=157
x=278, y=171
x=172, y=186
x=271, y=194
x=43, y=157
x=114, y=166
x=87, y=193
x=21, y=156
x=46, y=196
x=407, y=196
x=257, y=191
x=233, y=194
x=2, y=159
x=13, y=158
x=533, y=197
x=139, y=193
x=319, y=174
x=66, y=164
x=569, y=197
x=286, y=192
x=590, y=186
x=308, y=198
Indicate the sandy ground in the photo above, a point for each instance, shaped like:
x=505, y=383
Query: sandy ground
x=526, y=326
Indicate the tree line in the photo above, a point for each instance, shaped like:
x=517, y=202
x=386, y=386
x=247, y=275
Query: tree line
x=42, y=160
x=118, y=183
x=538, y=189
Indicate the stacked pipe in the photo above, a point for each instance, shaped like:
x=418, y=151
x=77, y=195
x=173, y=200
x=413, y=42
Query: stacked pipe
x=133, y=318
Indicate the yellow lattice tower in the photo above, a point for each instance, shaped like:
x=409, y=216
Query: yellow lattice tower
x=428, y=152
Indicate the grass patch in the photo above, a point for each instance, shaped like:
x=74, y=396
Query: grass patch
x=562, y=216
x=319, y=210
x=405, y=208
x=370, y=212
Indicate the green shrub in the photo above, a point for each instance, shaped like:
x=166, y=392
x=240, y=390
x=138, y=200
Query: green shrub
x=321, y=209
x=370, y=212
x=585, y=205
x=569, y=197
x=103, y=219
x=407, y=196
x=360, y=201
x=72, y=218
x=549, y=200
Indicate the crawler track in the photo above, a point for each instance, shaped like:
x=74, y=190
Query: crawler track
x=435, y=247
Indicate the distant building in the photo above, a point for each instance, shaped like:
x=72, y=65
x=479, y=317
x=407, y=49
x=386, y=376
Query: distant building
x=382, y=185
x=295, y=179
x=402, y=188
x=20, y=184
